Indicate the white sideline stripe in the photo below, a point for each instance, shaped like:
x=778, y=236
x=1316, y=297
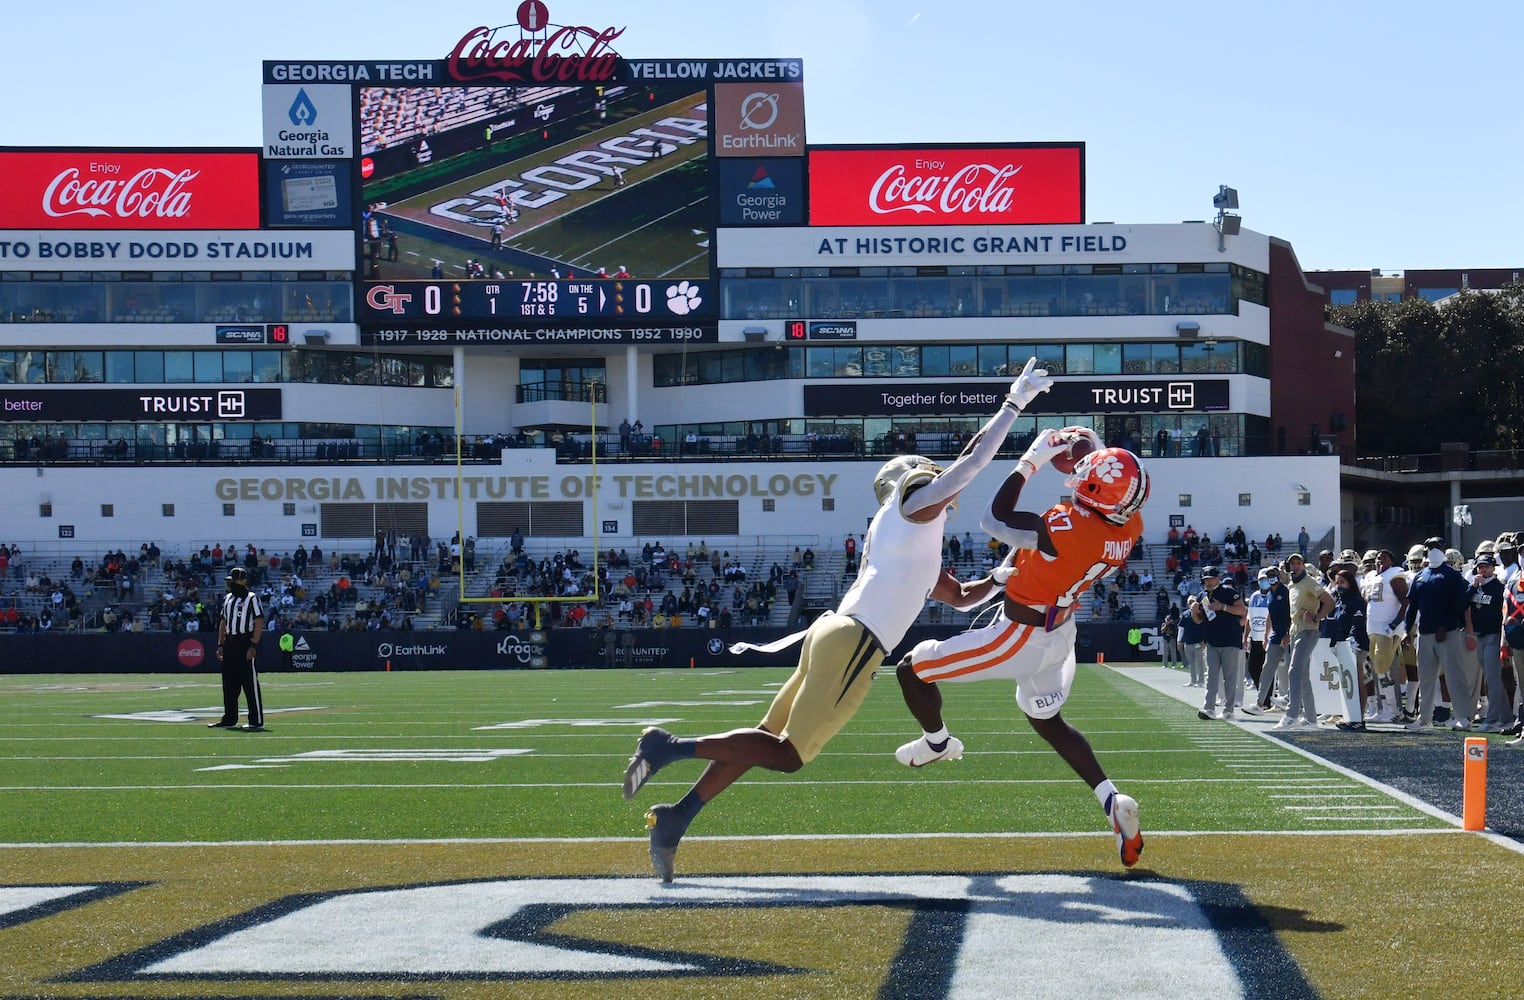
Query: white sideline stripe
x=1385, y=831
x=1398, y=794
x=499, y=785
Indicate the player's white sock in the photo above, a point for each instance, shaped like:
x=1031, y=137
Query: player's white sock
x=1103, y=793
x=938, y=738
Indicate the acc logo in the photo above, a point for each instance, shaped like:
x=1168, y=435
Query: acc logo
x=759, y=110
x=386, y=298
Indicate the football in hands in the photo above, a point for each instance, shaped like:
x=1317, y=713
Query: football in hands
x=1082, y=441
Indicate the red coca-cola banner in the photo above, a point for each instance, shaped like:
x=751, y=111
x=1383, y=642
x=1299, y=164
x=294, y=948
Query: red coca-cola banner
x=934, y=186
x=116, y=189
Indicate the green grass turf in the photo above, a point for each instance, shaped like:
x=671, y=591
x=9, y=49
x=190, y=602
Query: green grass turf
x=67, y=775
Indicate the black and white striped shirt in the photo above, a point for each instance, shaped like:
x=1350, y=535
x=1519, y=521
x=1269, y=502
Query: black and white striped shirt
x=239, y=613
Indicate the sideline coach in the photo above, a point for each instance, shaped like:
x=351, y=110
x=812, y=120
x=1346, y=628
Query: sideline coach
x=238, y=632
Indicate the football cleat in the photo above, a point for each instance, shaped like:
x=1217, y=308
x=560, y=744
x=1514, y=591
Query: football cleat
x=667, y=828
x=652, y=753
x=1123, y=813
x=918, y=753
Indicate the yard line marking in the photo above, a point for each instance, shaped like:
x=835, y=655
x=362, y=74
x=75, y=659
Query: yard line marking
x=1384, y=831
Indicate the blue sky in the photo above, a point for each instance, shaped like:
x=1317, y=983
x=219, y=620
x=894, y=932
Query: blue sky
x=1367, y=135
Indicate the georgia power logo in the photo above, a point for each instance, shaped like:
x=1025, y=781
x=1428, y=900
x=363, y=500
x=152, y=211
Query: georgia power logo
x=759, y=110
x=683, y=298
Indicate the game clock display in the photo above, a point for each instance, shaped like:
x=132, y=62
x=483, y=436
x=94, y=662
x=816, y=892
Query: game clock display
x=540, y=301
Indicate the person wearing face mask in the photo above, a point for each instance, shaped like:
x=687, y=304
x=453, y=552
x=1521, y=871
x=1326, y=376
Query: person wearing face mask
x=1256, y=628
x=1310, y=604
x=1347, y=638
x=239, y=629
x=1484, y=636
x=1436, y=605
x=1275, y=673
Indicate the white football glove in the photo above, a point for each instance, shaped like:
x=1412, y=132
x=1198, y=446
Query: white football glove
x=1031, y=383
x=1075, y=433
x=1042, y=449
x=1003, y=572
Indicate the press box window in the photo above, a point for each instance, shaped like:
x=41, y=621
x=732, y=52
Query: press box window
x=45, y=509
x=108, y=510
x=288, y=509
x=167, y=509
x=1245, y=500
x=229, y=510
x=1184, y=500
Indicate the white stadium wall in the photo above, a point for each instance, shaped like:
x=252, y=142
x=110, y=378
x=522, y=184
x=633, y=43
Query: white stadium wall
x=1270, y=487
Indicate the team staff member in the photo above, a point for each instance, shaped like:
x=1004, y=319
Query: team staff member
x=1220, y=611
x=1310, y=604
x=239, y=629
x=1436, y=604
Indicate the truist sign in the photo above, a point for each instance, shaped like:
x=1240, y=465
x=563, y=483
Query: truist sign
x=1008, y=185
x=113, y=189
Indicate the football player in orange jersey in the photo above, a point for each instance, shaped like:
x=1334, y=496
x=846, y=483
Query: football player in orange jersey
x=839, y=653
x=1056, y=556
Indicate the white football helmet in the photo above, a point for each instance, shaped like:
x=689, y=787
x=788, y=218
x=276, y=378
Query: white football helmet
x=1111, y=482
x=897, y=468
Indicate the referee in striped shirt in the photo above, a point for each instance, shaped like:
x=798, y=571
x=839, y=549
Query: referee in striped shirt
x=239, y=628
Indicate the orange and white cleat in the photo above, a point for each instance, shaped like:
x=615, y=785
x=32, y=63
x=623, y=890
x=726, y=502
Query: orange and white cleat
x=1123, y=813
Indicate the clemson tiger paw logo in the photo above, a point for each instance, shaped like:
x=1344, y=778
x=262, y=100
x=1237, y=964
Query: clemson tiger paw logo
x=683, y=298
x=1108, y=469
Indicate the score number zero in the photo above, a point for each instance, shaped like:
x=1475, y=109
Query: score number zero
x=541, y=298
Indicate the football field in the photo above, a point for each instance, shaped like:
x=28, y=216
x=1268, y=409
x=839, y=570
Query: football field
x=463, y=835
x=631, y=193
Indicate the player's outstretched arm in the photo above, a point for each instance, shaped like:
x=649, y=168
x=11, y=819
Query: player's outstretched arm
x=927, y=501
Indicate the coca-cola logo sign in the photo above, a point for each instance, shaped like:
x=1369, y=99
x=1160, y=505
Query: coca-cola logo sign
x=151, y=192
x=190, y=652
x=570, y=54
x=1008, y=185
x=121, y=190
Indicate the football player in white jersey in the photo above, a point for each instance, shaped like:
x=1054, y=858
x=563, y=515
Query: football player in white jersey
x=901, y=565
x=1385, y=589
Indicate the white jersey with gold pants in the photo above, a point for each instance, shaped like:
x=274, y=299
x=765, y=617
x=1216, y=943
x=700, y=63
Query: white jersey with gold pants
x=902, y=560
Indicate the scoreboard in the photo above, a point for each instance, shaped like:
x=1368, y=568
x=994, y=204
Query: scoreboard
x=536, y=301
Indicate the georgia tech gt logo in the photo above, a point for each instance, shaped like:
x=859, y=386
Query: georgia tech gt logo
x=386, y=298
x=508, y=929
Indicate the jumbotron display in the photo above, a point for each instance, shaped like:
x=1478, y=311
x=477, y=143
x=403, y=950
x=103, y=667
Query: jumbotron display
x=546, y=203
x=534, y=176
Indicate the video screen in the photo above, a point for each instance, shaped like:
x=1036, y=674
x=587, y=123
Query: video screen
x=535, y=183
